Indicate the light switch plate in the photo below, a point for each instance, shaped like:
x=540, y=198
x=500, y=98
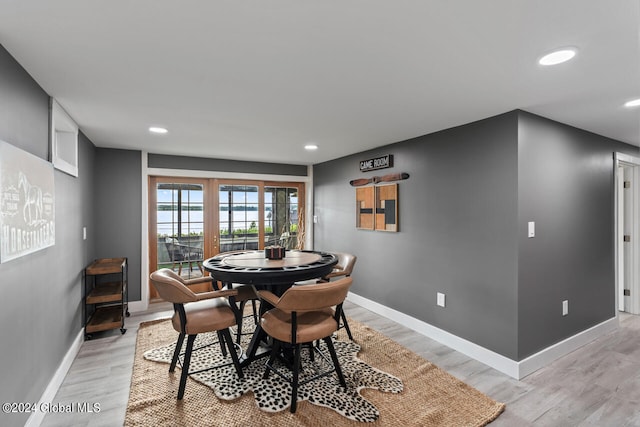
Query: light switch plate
x=532, y=229
x=440, y=299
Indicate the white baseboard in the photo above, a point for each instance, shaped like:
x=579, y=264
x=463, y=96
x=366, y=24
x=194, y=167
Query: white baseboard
x=58, y=377
x=514, y=369
x=549, y=354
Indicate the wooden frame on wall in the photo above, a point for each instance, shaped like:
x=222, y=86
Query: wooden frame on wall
x=377, y=208
x=386, y=207
x=364, y=208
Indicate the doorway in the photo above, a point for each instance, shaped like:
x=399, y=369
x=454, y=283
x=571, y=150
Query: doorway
x=627, y=233
x=193, y=219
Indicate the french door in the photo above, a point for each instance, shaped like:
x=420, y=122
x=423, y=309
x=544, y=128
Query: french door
x=193, y=219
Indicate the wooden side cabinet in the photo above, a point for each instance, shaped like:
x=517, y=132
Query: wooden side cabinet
x=106, y=302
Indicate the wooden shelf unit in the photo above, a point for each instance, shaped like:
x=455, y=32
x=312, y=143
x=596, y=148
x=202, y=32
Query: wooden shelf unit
x=106, y=302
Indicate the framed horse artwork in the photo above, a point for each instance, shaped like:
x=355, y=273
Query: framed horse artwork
x=27, y=203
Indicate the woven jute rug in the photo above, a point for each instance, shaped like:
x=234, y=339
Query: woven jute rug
x=428, y=397
x=273, y=394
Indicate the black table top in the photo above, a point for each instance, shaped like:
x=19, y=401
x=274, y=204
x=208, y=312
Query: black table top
x=252, y=267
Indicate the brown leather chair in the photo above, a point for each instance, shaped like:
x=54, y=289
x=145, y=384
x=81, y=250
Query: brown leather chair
x=343, y=268
x=195, y=314
x=245, y=293
x=302, y=315
x=189, y=282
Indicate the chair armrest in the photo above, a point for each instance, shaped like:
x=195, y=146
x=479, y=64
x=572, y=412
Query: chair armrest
x=198, y=280
x=337, y=272
x=216, y=294
x=269, y=297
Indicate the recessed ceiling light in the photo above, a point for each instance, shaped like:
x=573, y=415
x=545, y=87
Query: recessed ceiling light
x=154, y=129
x=632, y=103
x=558, y=56
x=310, y=147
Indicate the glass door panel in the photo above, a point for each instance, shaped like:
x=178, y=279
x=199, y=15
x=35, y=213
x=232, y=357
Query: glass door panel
x=282, y=222
x=180, y=228
x=239, y=210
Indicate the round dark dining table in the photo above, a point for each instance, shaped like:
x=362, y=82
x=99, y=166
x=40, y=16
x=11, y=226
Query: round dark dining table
x=254, y=268
x=276, y=275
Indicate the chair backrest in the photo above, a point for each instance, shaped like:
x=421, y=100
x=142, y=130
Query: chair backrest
x=345, y=264
x=315, y=296
x=170, y=288
x=169, y=272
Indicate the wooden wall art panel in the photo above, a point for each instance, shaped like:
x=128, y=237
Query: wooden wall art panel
x=377, y=207
x=386, y=207
x=364, y=208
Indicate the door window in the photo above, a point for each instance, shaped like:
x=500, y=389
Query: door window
x=239, y=211
x=180, y=228
x=282, y=221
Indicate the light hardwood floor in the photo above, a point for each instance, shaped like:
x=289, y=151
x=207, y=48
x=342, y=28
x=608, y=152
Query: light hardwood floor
x=596, y=385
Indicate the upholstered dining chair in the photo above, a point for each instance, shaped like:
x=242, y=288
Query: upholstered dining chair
x=245, y=294
x=195, y=314
x=205, y=281
x=302, y=315
x=343, y=268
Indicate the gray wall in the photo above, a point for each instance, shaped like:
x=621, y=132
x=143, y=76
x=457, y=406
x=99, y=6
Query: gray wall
x=566, y=185
x=41, y=292
x=457, y=219
x=221, y=165
x=463, y=230
x=118, y=209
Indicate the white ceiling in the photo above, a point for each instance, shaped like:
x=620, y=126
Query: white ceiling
x=258, y=79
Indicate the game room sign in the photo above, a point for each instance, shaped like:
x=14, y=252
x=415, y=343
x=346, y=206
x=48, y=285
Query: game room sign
x=376, y=163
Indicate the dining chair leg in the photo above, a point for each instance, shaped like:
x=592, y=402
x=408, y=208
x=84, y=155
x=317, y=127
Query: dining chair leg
x=274, y=352
x=240, y=317
x=345, y=324
x=296, y=374
x=232, y=351
x=185, y=366
x=223, y=349
x=239, y=322
x=336, y=362
x=255, y=311
x=176, y=353
x=258, y=335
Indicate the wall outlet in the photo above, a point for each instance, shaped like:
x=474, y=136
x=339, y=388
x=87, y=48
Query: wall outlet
x=440, y=299
x=565, y=307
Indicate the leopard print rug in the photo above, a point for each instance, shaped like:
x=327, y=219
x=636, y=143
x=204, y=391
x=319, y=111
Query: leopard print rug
x=274, y=393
